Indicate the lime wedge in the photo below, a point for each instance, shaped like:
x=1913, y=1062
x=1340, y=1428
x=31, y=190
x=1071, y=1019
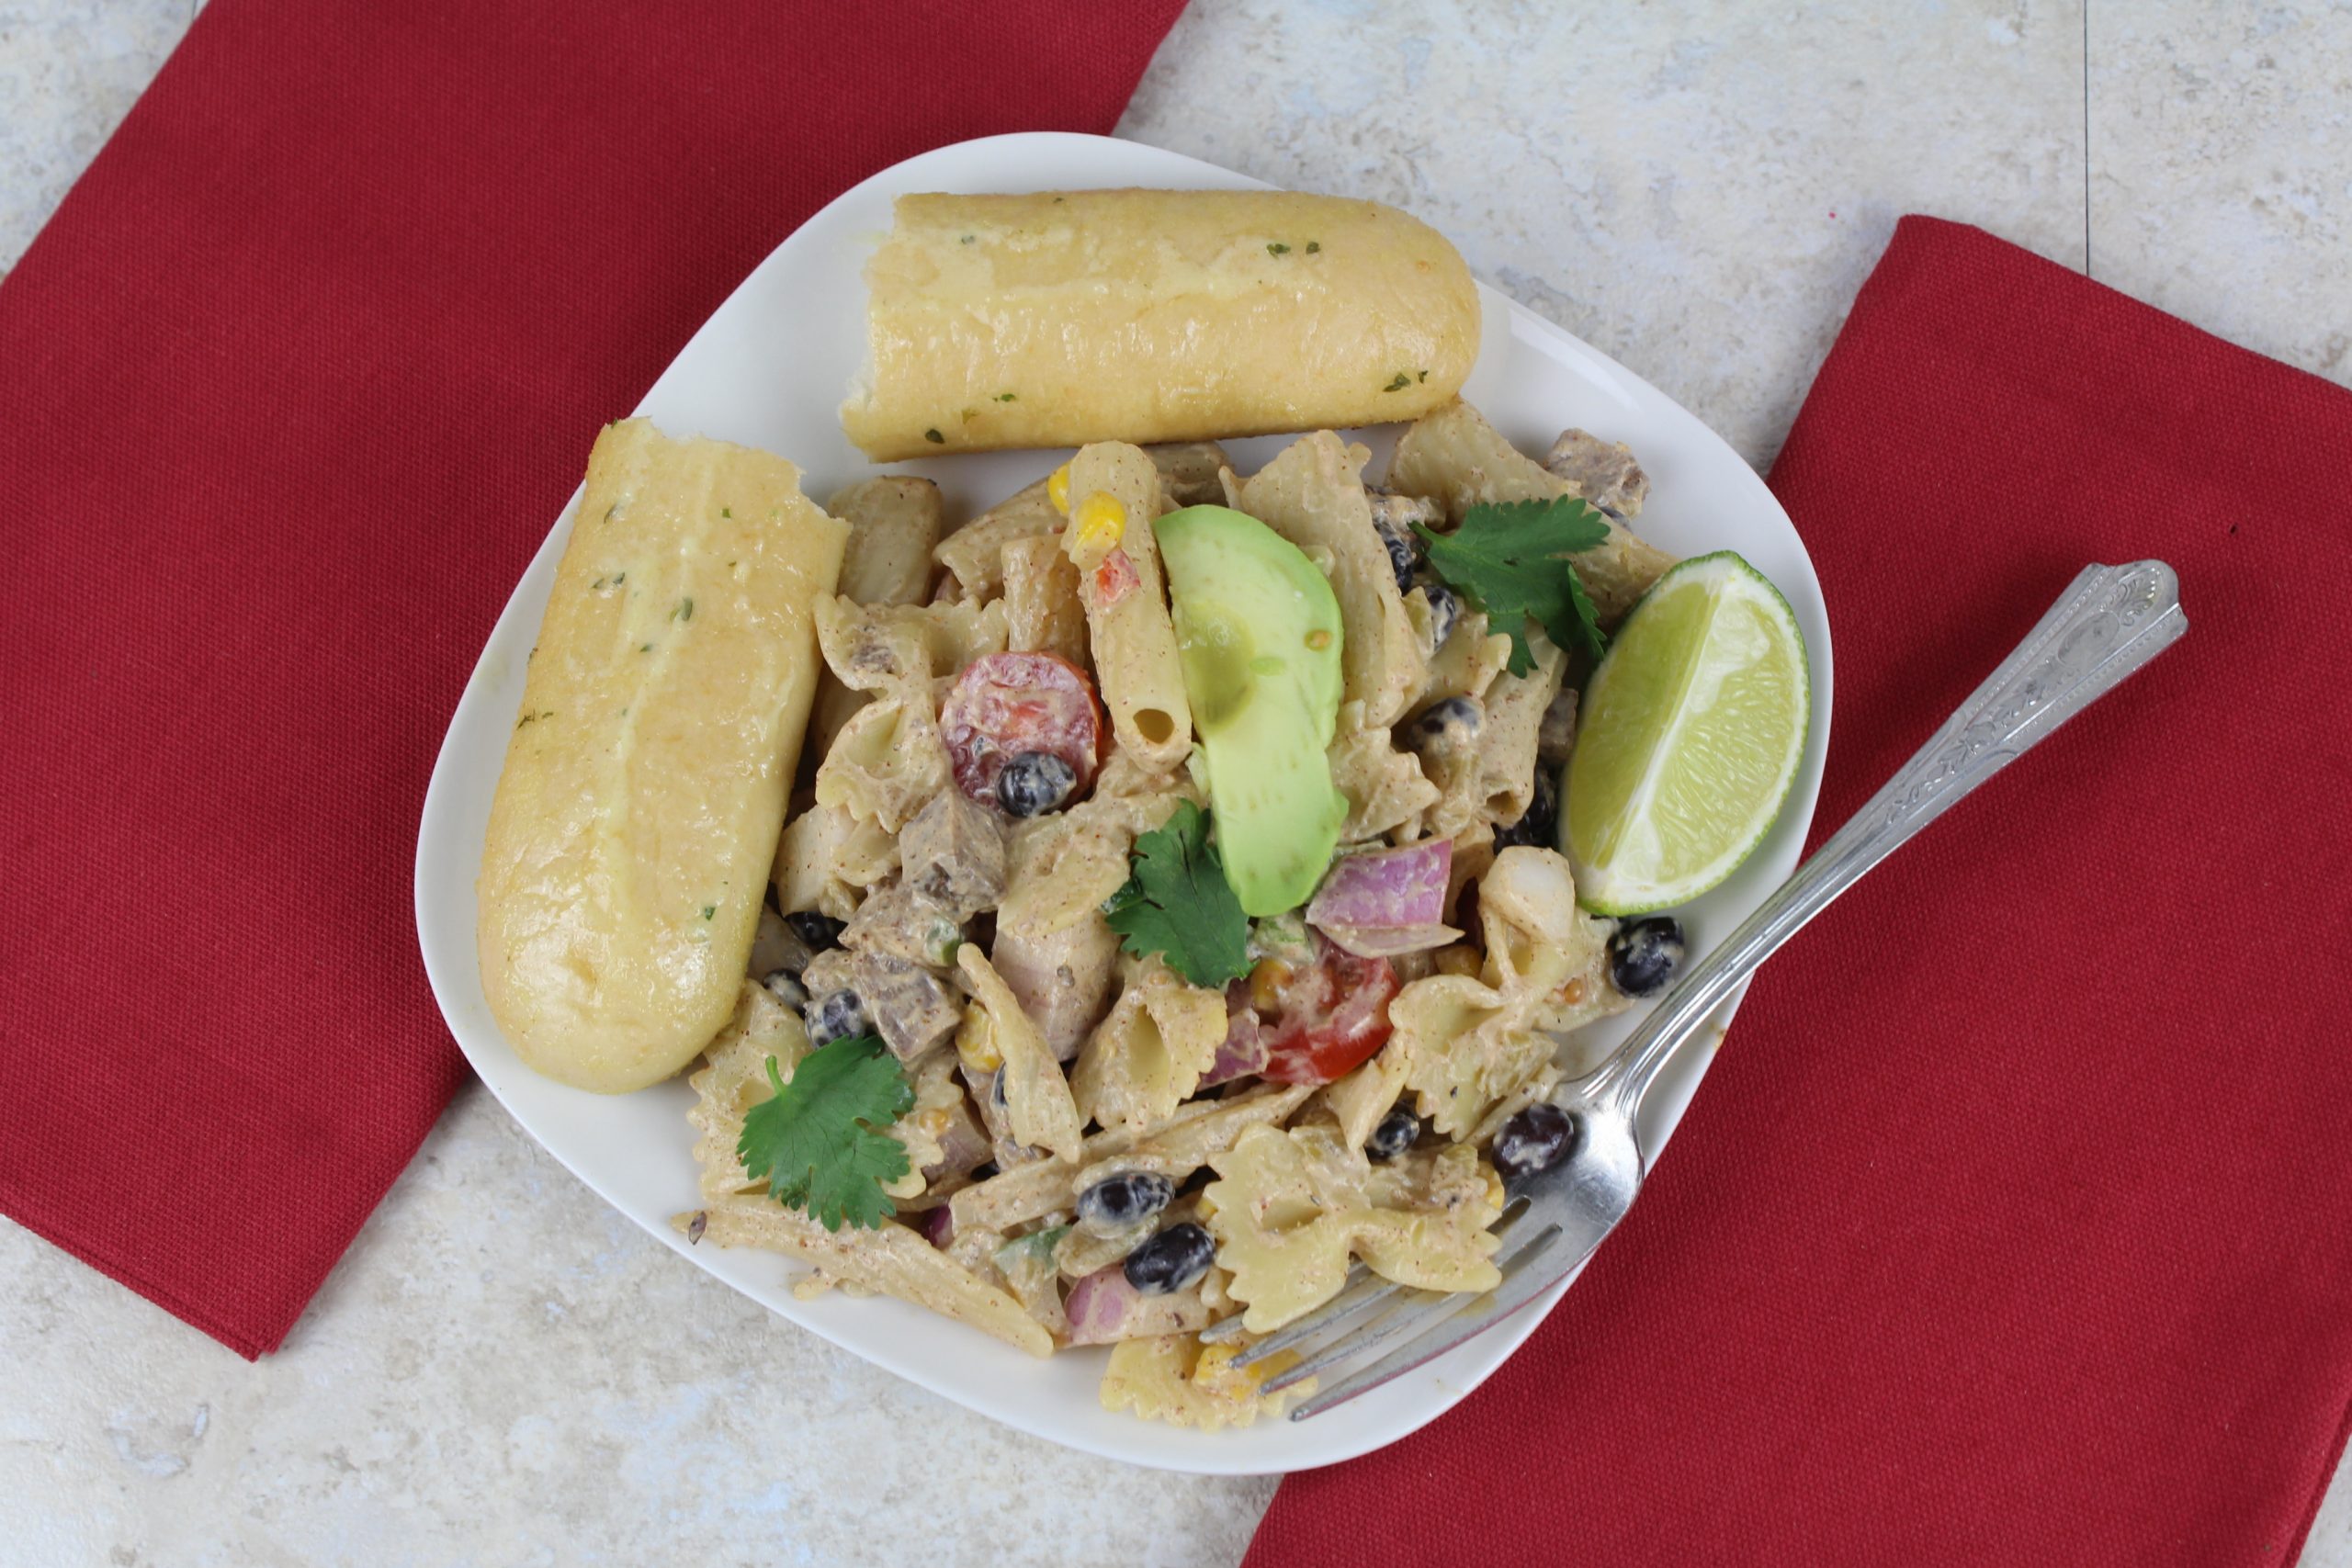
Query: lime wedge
x=1689, y=738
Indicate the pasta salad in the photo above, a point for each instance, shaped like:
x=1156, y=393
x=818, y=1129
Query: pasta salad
x=1173, y=917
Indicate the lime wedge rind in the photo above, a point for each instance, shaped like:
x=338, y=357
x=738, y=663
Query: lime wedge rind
x=1692, y=735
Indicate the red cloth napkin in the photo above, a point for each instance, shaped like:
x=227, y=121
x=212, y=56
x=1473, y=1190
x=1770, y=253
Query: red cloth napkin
x=2013, y=1225
x=289, y=391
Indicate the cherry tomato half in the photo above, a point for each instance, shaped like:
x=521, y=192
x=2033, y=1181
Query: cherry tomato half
x=1004, y=705
x=1325, y=1020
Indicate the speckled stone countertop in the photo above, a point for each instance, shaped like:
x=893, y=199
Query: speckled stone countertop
x=506, y=1371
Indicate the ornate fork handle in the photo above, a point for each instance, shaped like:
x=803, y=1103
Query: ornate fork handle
x=2111, y=621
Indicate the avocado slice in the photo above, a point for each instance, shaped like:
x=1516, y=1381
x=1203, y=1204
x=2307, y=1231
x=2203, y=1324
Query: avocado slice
x=1257, y=635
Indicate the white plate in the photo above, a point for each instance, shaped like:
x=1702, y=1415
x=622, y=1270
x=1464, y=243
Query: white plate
x=769, y=369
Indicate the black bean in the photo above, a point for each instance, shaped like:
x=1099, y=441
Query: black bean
x=1404, y=551
x=1035, y=783
x=1445, y=612
x=1536, y=825
x=1116, y=1201
x=1170, y=1261
x=1448, y=722
x=1536, y=1139
x=819, y=931
x=1645, y=953
x=1394, y=1135
x=837, y=1015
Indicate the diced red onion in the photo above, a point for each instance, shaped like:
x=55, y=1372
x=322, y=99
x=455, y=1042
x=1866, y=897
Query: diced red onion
x=1387, y=942
x=1098, y=1306
x=937, y=1225
x=1398, y=889
x=1244, y=1051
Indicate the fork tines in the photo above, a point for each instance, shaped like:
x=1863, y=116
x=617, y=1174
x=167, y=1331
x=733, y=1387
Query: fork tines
x=1427, y=1324
x=1417, y=1324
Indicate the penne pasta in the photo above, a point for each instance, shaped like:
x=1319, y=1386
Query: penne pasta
x=1507, y=747
x=1126, y=604
x=894, y=523
x=1177, y=1147
x=974, y=554
x=1042, y=610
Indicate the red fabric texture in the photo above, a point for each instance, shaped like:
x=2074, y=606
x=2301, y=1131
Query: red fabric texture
x=289, y=391
x=2014, y=1224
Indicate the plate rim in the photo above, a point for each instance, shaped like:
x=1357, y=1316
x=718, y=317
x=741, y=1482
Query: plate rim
x=1522, y=323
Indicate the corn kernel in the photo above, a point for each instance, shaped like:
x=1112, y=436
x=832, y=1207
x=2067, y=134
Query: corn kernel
x=1266, y=983
x=1459, y=959
x=1495, y=1194
x=1572, y=992
x=976, y=1042
x=1100, y=520
x=933, y=1122
x=1215, y=1375
x=1057, y=489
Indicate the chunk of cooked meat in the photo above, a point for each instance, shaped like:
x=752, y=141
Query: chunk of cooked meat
x=902, y=923
x=952, y=852
x=1188, y=471
x=911, y=1008
x=1604, y=472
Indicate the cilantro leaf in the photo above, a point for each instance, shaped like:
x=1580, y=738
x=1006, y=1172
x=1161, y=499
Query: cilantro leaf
x=818, y=1140
x=1510, y=558
x=1176, y=903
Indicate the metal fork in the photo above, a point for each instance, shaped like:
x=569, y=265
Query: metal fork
x=2111, y=621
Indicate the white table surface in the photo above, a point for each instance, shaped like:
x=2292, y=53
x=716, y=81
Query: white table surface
x=503, y=1370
